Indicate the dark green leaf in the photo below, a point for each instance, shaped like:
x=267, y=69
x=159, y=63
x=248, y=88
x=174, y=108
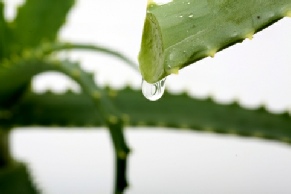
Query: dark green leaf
x=175, y=111
x=39, y=20
x=4, y=34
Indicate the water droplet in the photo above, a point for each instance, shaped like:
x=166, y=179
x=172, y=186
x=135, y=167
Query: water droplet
x=154, y=91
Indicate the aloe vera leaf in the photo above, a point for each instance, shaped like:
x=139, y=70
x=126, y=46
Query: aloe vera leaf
x=51, y=109
x=173, y=111
x=4, y=34
x=16, y=179
x=30, y=67
x=39, y=21
x=11, y=91
x=50, y=48
x=3, y=28
x=21, y=72
x=182, y=111
x=5, y=155
x=108, y=114
x=182, y=32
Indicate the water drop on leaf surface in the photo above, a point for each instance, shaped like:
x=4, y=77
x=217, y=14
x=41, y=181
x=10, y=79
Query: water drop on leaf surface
x=153, y=91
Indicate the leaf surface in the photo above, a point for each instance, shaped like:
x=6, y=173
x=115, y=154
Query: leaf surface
x=4, y=34
x=182, y=32
x=173, y=111
x=38, y=21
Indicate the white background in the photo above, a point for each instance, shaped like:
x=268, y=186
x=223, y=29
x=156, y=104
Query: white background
x=255, y=72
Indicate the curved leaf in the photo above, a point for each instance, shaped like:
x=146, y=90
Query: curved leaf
x=108, y=114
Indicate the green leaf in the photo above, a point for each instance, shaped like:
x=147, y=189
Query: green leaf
x=184, y=31
x=31, y=66
x=33, y=61
x=15, y=75
x=38, y=21
x=16, y=179
x=4, y=34
x=189, y=113
x=50, y=48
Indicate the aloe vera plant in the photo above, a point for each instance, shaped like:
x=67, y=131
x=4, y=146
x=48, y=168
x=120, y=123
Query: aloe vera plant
x=27, y=49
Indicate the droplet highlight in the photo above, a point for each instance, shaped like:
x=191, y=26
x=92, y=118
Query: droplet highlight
x=154, y=91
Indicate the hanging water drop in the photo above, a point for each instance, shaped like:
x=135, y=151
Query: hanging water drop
x=154, y=91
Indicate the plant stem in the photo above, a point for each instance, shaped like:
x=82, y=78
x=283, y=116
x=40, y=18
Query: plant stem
x=110, y=116
x=121, y=154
